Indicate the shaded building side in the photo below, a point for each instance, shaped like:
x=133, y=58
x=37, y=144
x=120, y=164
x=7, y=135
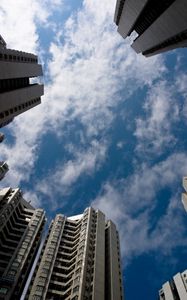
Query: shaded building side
x=20, y=233
x=161, y=25
x=18, y=93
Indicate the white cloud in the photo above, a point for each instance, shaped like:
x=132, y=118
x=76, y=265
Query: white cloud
x=32, y=198
x=182, y=88
x=61, y=180
x=132, y=204
x=91, y=64
x=18, y=22
x=120, y=145
x=154, y=131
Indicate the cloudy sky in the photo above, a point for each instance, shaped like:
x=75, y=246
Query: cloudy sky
x=110, y=132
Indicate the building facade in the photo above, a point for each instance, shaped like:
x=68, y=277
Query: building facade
x=184, y=194
x=3, y=169
x=20, y=234
x=160, y=25
x=80, y=260
x=176, y=289
x=17, y=93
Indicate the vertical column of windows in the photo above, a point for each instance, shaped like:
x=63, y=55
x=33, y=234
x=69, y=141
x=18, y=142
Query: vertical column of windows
x=42, y=279
x=90, y=256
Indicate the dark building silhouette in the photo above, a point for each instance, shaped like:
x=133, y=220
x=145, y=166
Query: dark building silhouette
x=161, y=25
x=3, y=169
x=21, y=229
x=17, y=93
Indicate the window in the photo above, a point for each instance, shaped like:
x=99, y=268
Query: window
x=39, y=288
x=36, y=297
x=44, y=270
x=76, y=289
x=79, y=262
x=3, y=290
x=15, y=264
x=77, y=279
x=42, y=279
x=47, y=264
x=19, y=258
x=11, y=273
x=78, y=271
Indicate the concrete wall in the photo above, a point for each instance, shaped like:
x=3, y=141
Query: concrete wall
x=130, y=13
x=170, y=23
x=19, y=96
x=19, y=70
x=114, y=275
x=99, y=267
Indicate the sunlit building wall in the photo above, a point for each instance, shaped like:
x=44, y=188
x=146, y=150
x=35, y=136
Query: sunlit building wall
x=175, y=289
x=80, y=260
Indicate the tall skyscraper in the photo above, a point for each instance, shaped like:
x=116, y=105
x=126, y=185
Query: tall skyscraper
x=161, y=25
x=20, y=233
x=176, y=289
x=184, y=194
x=80, y=260
x=17, y=93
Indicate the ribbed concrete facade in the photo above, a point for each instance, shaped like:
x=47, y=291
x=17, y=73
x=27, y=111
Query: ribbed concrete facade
x=176, y=289
x=20, y=234
x=80, y=260
x=160, y=25
x=17, y=94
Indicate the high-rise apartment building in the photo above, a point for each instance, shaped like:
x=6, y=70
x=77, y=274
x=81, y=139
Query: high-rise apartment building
x=184, y=194
x=20, y=233
x=176, y=289
x=17, y=93
x=161, y=25
x=80, y=260
x=3, y=169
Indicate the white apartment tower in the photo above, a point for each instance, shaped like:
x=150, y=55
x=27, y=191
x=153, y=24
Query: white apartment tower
x=80, y=260
x=17, y=93
x=176, y=289
x=20, y=235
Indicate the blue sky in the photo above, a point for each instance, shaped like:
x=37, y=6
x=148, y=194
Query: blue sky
x=110, y=132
